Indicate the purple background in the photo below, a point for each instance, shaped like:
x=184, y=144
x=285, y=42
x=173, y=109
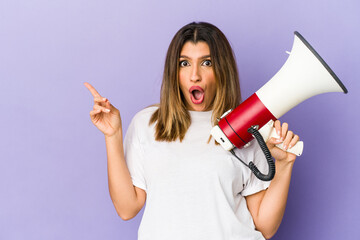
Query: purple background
x=53, y=173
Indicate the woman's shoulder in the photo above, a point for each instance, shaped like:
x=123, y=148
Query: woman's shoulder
x=139, y=125
x=145, y=114
x=250, y=150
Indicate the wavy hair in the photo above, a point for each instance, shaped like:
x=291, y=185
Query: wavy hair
x=172, y=118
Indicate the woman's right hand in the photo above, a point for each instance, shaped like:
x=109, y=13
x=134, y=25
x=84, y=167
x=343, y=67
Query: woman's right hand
x=104, y=115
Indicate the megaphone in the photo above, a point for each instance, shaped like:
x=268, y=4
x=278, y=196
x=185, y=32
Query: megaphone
x=304, y=74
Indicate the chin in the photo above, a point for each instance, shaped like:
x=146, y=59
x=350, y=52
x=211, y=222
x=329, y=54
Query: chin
x=199, y=108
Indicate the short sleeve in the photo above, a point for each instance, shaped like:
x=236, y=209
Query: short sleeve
x=134, y=155
x=252, y=183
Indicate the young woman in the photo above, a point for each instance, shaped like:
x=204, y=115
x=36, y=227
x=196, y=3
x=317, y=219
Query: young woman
x=193, y=188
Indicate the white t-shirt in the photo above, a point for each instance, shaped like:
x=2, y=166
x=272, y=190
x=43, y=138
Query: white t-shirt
x=195, y=190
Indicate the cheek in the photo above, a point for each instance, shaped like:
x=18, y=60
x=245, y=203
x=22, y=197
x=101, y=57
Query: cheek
x=213, y=92
x=212, y=84
x=182, y=85
x=182, y=80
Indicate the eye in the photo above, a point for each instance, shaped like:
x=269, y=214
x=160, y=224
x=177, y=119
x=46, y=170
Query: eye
x=184, y=63
x=207, y=63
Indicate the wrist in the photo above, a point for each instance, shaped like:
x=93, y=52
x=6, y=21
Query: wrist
x=283, y=167
x=284, y=162
x=116, y=135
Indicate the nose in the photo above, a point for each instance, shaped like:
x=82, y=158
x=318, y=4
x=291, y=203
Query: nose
x=195, y=74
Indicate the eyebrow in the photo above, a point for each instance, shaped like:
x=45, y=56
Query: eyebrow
x=205, y=56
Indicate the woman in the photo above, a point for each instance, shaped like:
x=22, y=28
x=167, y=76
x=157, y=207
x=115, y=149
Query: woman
x=194, y=189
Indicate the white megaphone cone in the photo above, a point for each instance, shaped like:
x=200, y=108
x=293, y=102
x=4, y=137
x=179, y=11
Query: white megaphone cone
x=304, y=74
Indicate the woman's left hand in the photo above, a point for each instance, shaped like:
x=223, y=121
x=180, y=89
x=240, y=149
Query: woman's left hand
x=288, y=138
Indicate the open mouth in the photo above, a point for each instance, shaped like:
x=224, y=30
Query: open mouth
x=197, y=94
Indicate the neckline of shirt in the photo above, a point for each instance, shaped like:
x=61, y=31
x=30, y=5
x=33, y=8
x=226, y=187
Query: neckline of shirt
x=195, y=114
x=200, y=115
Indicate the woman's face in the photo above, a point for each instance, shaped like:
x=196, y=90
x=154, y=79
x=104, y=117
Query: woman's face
x=196, y=76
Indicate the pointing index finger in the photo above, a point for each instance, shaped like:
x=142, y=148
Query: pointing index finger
x=92, y=90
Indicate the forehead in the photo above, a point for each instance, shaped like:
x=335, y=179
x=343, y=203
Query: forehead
x=195, y=50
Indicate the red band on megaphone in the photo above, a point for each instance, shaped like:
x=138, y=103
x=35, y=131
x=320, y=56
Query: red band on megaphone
x=249, y=113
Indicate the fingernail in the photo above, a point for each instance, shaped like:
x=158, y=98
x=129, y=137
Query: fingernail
x=290, y=146
x=104, y=99
x=284, y=147
x=107, y=110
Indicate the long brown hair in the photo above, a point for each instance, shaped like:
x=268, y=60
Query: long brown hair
x=172, y=118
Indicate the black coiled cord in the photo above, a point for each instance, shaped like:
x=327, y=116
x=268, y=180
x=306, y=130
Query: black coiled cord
x=253, y=130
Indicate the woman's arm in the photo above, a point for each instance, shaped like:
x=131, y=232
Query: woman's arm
x=127, y=199
x=267, y=207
